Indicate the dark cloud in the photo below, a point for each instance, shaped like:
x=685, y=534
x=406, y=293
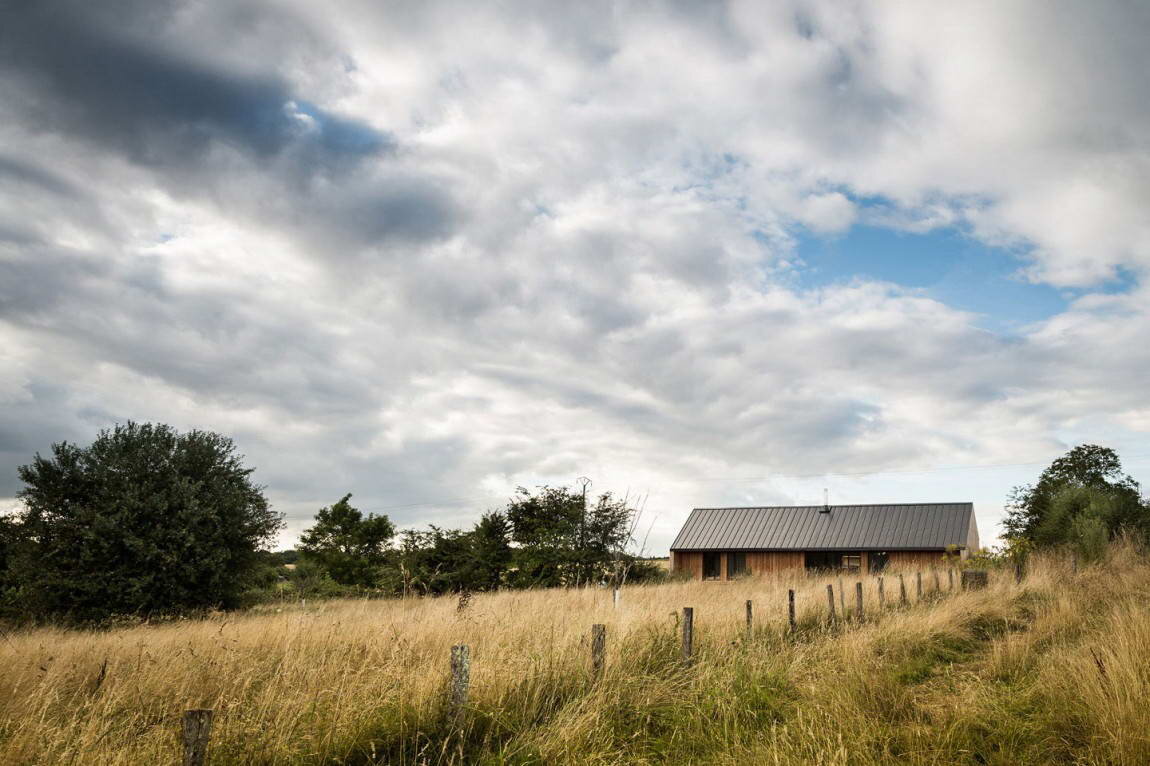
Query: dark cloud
x=157, y=107
x=115, y=78
x=45, y=414
x=13, y=170
x=44, y=280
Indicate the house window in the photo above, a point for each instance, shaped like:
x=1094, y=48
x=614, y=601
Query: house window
x=712, y=566
x=852, y=561
x=878, y=561
x=736, y=564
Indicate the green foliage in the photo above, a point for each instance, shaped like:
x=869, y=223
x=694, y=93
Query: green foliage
x=490, y=552
x=547, y=538
x=645, y=571
x=564, y=541
x=310, y=580
x=952, y=556
x=349, y=546
x=290, y=556
x=1082, y=496
x=144, y=521
x=445, y=561
x=10, y=537
x=434, y=561
x=1091, y=514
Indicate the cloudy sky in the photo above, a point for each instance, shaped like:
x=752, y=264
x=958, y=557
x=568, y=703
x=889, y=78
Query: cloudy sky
x=700, y=252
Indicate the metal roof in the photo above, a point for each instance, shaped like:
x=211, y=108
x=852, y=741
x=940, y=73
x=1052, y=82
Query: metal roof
x=845, y=527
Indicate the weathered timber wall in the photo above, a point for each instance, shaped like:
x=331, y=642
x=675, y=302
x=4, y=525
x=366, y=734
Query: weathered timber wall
x=760, y=563
x=914, y=559
x=774, y=561
x=689, y=561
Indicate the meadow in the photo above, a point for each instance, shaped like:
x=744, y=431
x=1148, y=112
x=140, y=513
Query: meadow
x=1050, y=670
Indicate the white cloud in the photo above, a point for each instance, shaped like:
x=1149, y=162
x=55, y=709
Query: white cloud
x=492, y=245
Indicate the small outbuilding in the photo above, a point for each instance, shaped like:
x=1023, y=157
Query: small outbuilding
x=723, y=543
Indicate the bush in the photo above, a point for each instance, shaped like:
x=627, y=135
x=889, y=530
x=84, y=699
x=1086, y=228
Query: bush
x=144, y=521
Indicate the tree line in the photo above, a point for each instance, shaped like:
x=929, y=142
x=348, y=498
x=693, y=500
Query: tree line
x=148, y=521
x=548, y=538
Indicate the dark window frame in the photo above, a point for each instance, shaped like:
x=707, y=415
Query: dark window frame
x=737, y=564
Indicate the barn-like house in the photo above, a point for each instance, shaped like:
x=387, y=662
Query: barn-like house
x=722, y=543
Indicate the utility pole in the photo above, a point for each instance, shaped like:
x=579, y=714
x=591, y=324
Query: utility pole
x=583, y=569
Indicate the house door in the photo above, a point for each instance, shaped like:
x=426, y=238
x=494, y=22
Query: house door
x=712, y=566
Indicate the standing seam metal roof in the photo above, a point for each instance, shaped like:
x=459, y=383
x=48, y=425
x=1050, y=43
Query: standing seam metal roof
x=897, y=526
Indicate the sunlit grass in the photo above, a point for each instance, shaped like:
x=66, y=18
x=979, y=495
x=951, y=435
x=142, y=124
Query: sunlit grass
x=1054, y=669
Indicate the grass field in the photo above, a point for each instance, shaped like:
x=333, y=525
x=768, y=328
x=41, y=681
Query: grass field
x=1056, y=670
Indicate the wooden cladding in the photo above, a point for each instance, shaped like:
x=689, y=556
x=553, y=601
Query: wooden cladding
x=770, y=563
x=914, y=559
x=691, y=561
x=755, y=562
x=775, y=562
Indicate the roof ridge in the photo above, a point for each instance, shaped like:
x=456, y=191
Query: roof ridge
x=820, y=505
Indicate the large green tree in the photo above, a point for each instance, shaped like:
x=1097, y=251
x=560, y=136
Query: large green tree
x=490, y=545
x=351, y=547
x=145, y=520
x=563, y=540
x=10, y=538
x=435, y=561
x=1081, y=497
x=450, y=560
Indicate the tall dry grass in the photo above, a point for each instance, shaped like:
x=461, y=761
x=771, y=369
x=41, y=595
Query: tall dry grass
x=1053, y=670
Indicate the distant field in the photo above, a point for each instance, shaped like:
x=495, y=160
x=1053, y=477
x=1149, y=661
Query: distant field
x=1055, y=670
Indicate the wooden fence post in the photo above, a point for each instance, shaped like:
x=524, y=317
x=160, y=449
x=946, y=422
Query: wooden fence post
x=615, y=598
x=688, y=633
x=791, y=609
x=950, y=576
x=842, y=599
x=902, y=590
x=918, y=586
x=460, y=676
x=881, y=594
x=859, y=600
x=1074, y=562
x=197, y=730
x=831, y=601
x=750, y=620
x=937, y=584
x=598, y=647
x=973, y=579
x=1018, y=572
